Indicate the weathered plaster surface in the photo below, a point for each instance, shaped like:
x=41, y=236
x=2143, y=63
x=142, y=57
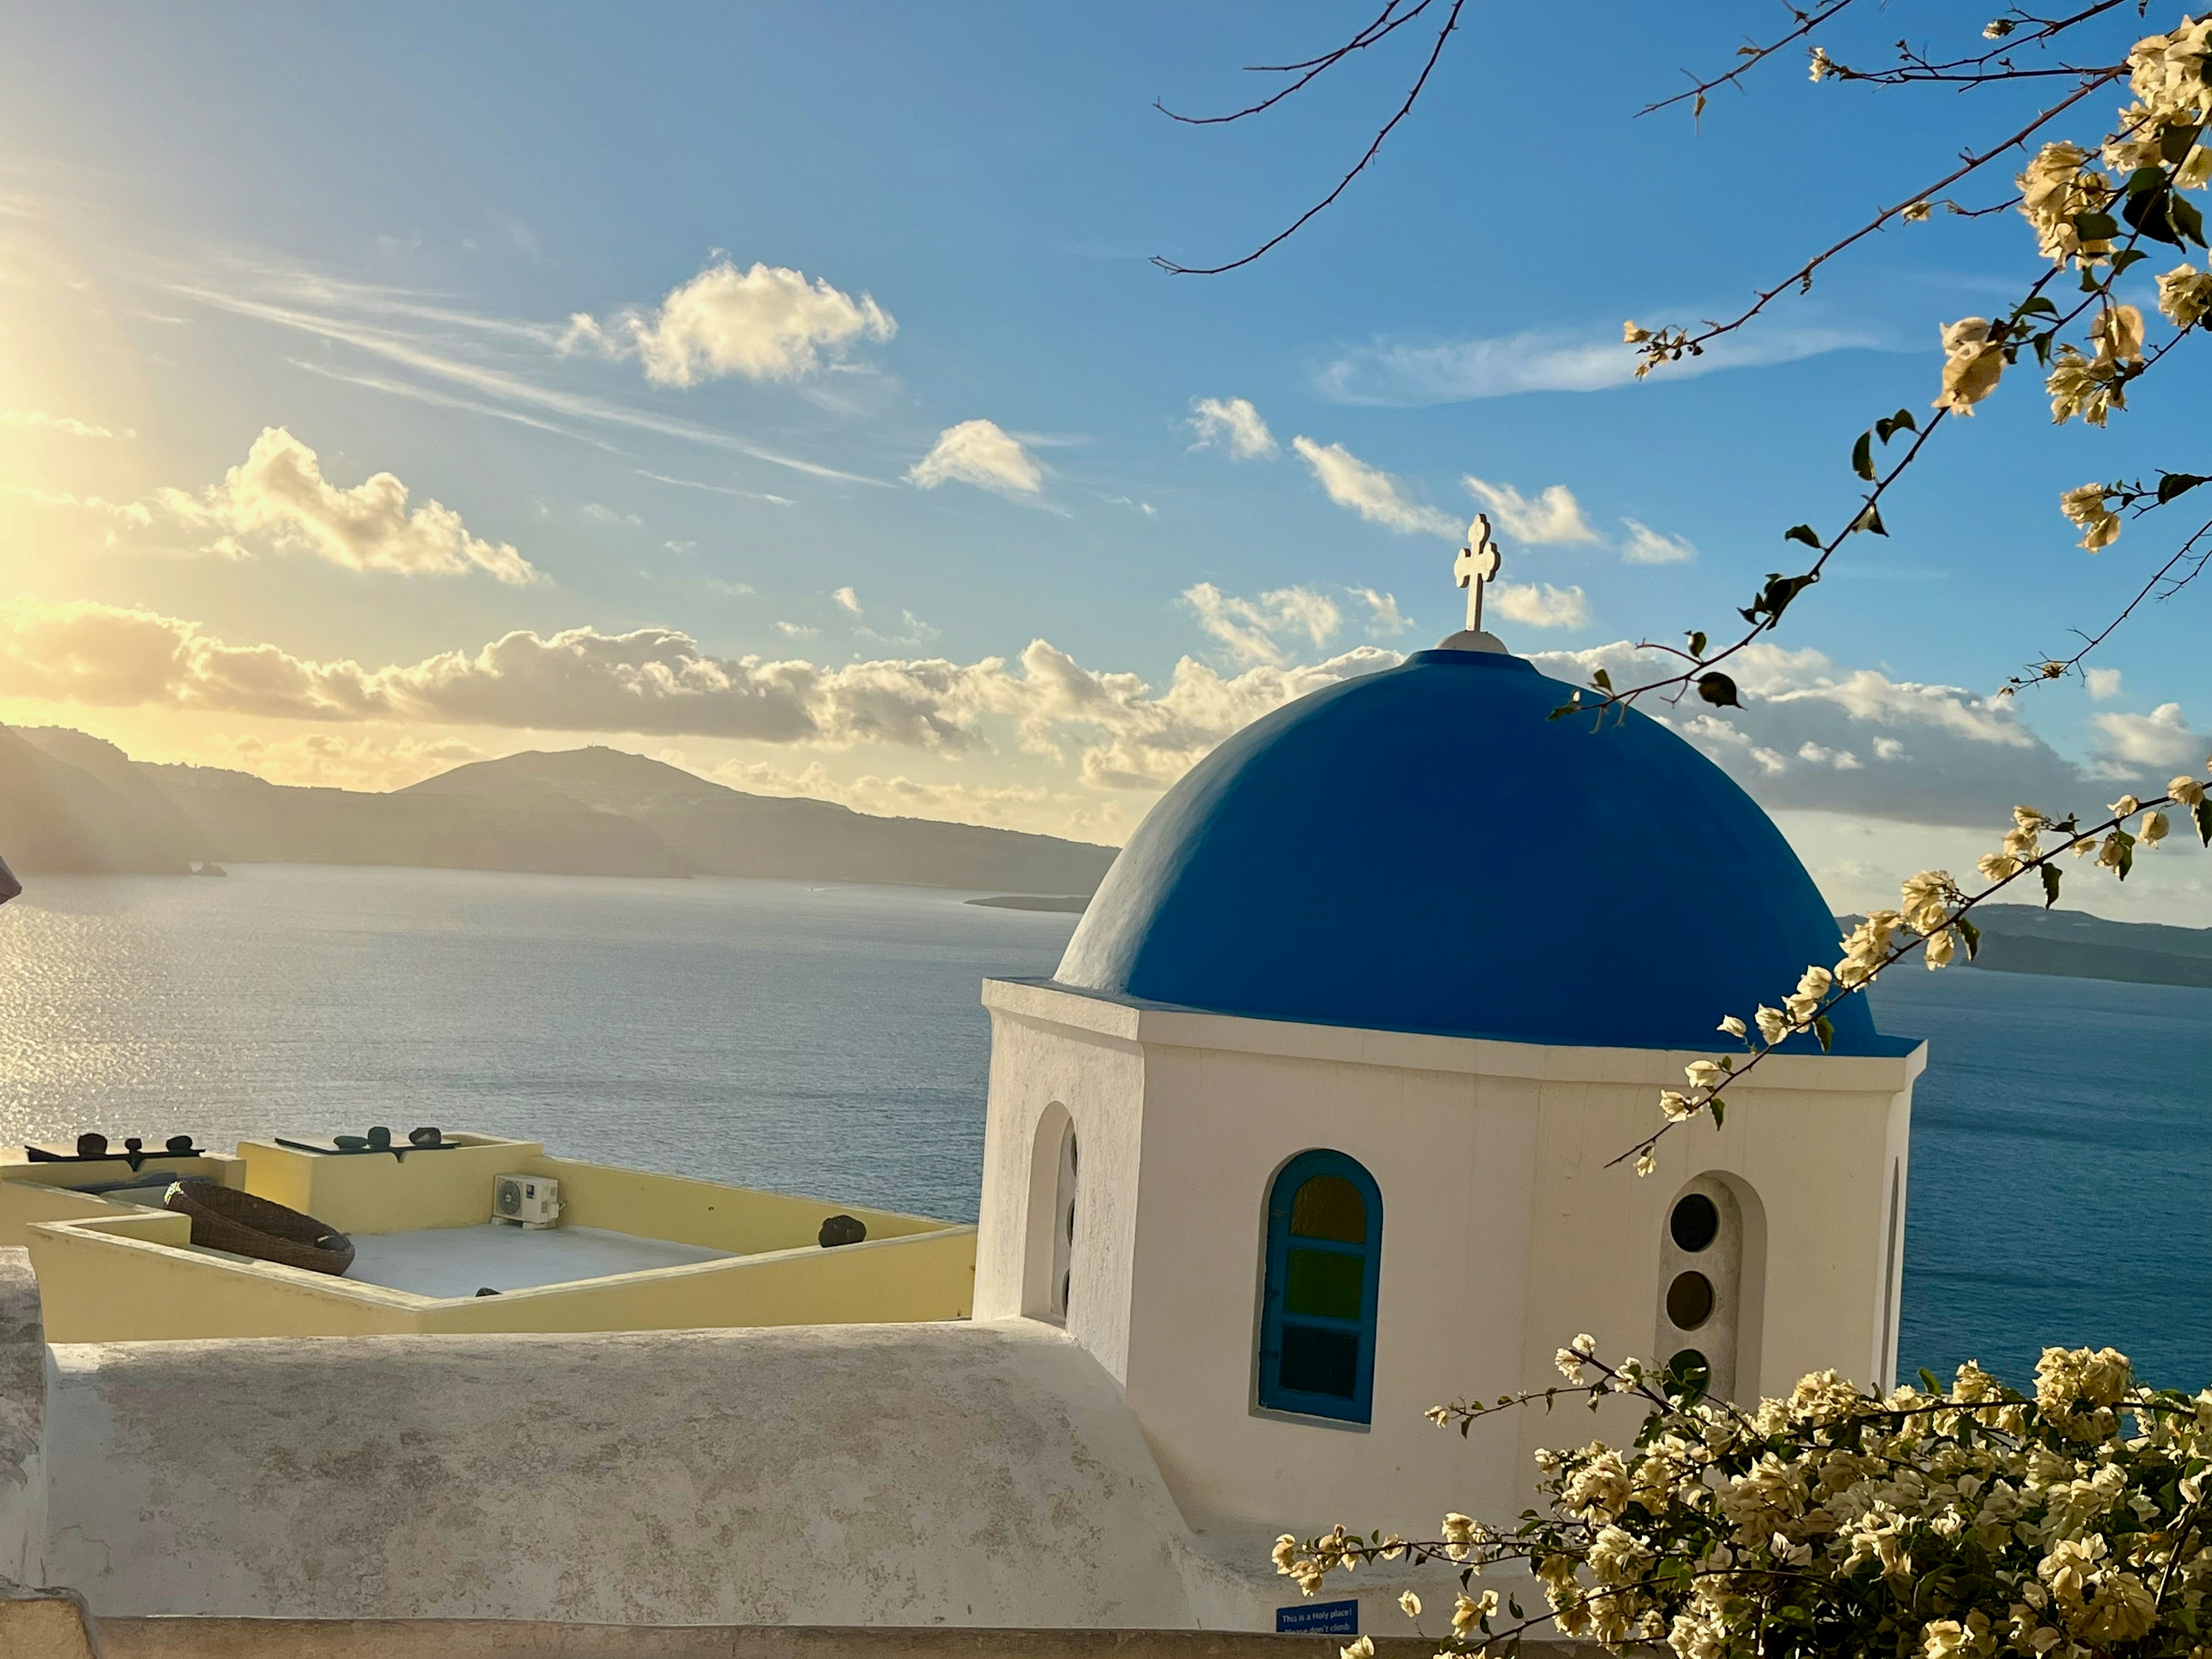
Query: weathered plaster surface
x=919, y=1475
x=23, y=1413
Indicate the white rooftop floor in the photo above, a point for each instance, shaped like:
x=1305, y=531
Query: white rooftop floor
x=445, y=1261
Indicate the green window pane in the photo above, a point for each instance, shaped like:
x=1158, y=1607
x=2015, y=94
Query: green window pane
x=1321, y=1362
x=1325, y=1282
x=1329, y=1206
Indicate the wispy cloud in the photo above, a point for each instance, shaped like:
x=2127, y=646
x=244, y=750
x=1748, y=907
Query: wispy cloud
x=424, y=394
x=68, y=423
x=715, y=488
x=768, y=322
x=1645, y=546
x=1249, y=628
x=1401, y=375
x=1232, y=423
x=1371, y=492
x=983, y=453
x=1552, y=515
x=412, y=351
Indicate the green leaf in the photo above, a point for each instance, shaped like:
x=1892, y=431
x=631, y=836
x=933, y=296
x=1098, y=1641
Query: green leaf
x=2038, y=306
x=1718, y=1107
x=2170, y=484
x=2050, y=885
x=1927, y=1381
x=1870, y=521
x=1801, y=533
x=2126, y=256
x=1602, y=680
x=2186, y=219
x=2143, y=179
x=1972, y=934
x=1696, y=645
x=1564, y=710
x=1862, y=455
x=2149, y=213
x=2175, y=142
x=2095, y=227
x=1718, y=690
x=1824, y=1028
x=2205, y=820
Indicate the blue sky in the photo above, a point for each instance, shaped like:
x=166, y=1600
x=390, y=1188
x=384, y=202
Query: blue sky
x=370, y=229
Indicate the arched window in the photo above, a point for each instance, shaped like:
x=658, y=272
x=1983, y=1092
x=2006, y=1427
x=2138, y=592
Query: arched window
x=1324, y=1264
x=1055, y=1180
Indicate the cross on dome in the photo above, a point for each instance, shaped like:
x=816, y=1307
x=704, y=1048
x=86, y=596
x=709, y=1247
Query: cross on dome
x=1475, y=567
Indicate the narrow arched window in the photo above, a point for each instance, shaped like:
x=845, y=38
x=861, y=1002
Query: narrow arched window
x=1324, y=1266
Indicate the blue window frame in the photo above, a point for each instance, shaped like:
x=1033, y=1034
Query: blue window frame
x=1324, y=1265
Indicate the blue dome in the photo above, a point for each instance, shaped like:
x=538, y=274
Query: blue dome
x=1424, y=849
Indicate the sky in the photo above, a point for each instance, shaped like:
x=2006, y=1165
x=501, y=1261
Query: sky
x=787, y=392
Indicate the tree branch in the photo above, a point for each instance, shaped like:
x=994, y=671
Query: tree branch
x=1451, y=21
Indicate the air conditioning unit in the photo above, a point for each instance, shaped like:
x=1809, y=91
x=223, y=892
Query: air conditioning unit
x=527, y=1201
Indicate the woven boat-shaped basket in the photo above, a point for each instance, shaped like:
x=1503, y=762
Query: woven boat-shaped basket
x=225, y=1218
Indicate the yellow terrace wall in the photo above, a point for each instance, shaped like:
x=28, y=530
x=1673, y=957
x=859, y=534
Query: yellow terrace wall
x=136, y=1278
x=376, y=1193
x=32, y=1193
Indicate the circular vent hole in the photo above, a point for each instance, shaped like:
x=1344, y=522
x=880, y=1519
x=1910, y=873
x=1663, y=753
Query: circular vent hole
x=1690, y=1301
x=1691, y=1368
x=1695, y=1223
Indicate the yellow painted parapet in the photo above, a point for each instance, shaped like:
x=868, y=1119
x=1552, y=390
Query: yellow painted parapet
x=138, y=1278
x=32, y=1193
x=116, y=1273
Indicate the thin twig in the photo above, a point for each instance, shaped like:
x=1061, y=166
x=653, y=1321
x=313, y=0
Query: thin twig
x=1380, y=28
x=1451, y=23
x=1753, y=56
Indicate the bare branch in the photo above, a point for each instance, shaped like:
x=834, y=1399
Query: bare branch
x=1451, y=23
x=1753, y=56
x=1379, y=29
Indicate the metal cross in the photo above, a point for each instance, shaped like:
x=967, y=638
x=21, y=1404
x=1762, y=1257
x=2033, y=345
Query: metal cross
x=1475, y=567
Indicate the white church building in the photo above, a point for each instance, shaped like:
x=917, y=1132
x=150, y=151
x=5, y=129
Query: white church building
x=1317, y=1125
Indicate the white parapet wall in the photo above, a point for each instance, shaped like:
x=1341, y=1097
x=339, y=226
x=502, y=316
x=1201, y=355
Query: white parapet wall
x=919, y=1475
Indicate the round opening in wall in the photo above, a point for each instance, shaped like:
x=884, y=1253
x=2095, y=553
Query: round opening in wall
x=1688, y=1369
x=1690, y=1301
x=1695, y=1223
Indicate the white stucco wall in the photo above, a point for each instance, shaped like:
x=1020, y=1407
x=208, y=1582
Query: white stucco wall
x=917, y=1474
x=22, y=1412
x=1505, y=1233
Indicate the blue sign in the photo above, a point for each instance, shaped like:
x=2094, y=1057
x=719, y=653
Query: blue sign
x=1318, y=1618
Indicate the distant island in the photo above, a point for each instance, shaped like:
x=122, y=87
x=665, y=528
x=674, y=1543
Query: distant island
x=2026, y=939
x=1072, y=904
x=76, y=804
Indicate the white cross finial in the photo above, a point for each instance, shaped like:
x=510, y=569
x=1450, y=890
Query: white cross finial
x=1475, y=567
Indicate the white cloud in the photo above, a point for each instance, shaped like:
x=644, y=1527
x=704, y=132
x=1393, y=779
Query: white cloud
x=1248, y=628
x=1539, y=605
x=1554, y=516
x=279, y=491
x=717, y=489
x=768, y=323
x=2104, y=683
x=798, y=631
x=1038, y=808
x=130, y=513
x=1645, y=546
x=70, y=423
x=1233, y=423
x=1383, y=614
x=1918, y=753
x=601, y=513
x=328, y=760
x=847, y=600
x=981, y=453
x=1371, y=492
x=2161, y=740
x=1121, y=732
x=1455, y=371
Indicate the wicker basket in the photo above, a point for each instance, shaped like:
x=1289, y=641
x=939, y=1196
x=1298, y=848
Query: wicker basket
x=225, y=1218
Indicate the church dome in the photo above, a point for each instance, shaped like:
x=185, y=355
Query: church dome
x=1424, y=849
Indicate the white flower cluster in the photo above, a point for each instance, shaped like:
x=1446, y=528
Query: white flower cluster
x=1965, y=1523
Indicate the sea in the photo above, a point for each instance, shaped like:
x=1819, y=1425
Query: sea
x=829, y=1040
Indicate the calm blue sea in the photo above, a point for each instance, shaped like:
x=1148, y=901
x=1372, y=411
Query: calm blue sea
x=829, y=1040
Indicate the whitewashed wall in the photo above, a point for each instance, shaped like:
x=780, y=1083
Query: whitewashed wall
x=1505, y=1233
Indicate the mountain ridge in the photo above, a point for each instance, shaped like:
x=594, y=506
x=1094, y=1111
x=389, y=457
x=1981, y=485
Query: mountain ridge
x=72, y=802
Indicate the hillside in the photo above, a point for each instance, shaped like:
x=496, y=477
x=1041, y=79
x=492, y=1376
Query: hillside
x=2026, y=939
x=73, y=802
